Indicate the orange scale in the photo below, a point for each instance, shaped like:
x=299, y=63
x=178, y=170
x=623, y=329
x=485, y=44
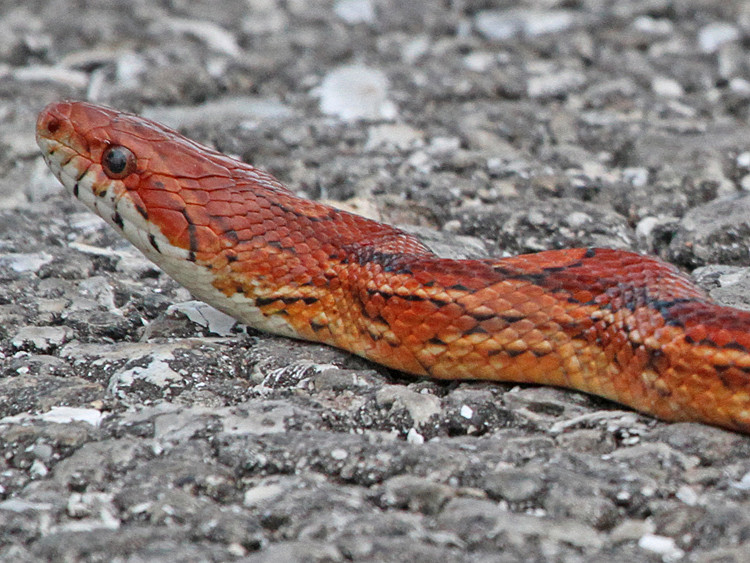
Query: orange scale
x=451, y=310
x=197, y=214
x=722, y=337
x=301, y=248
x=582, y=296
x=257, y=229
x=164, y=183
x=474, y=360
x=156, y=198
x=172, y=224
x=522, y=367
x=551, y=366
x=523, y=326
x=696, y=333
x=464, y=323
x=516, y=346
x=506, y=336
x=206, y=240
x=219, y=209
x=197, y=197
x=216, y=183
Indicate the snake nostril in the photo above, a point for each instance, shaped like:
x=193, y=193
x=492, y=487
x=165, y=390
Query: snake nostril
x=53, y=124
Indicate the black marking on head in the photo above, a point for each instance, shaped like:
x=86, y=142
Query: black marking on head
x=142, y=210
x=317, y=326
x=159, y=184
x=117, y=220
x=191, y=256
x=476, y=330
x=152, y=242
x=75, y=189
x=82, y=174
x=231, y=257
x=590, y=253
x=514, y=353
x=512, y=318
x=192, y=238
x=438, y=341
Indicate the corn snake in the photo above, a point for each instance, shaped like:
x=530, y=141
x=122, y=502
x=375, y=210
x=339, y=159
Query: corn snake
x=617, y=324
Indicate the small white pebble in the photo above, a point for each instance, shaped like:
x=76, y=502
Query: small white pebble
x=714, y=35
x=687, y=495
x=656, y=26
x=262, y=494
x=236, y=549
x=38, y=469
x=667, y=87
x=660, y=544
x=339, y=454
x=646, y=226
x=740, y=86
x=743, y=484
x=635, y=176
x=467, y=412
x=479, y=61
x=356, y=92
x=414, y=437
x=355, y=11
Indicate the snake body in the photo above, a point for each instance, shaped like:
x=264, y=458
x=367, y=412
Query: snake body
x=616, y=324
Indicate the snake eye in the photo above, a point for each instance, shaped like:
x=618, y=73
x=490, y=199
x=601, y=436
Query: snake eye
x=118, y=162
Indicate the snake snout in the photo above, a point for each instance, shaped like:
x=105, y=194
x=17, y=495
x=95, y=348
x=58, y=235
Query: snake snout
x=52, y=118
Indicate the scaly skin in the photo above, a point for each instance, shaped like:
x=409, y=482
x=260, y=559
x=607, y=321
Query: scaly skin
x=616, y=324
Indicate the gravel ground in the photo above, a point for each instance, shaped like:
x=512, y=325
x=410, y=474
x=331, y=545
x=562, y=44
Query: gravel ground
x=137, y=425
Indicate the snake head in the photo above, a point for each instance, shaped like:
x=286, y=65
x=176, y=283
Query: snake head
x=144, y=179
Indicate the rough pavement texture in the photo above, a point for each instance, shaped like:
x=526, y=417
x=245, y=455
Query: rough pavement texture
x=138, y=426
